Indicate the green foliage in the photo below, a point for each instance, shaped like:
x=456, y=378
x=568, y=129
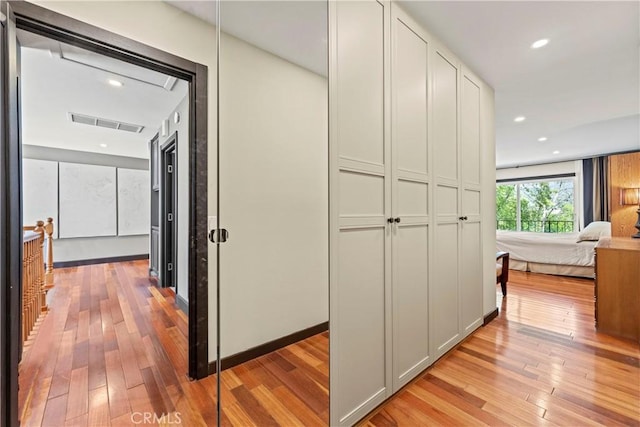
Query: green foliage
x=544, y=206
x=506, y=205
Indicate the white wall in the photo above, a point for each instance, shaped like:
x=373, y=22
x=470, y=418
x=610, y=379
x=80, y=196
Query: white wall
x=83, y=248
x=164, y=27
x=86, y=248
x=274, y=197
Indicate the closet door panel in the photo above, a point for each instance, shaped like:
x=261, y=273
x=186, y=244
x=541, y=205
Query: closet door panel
x=471, y=272
x=413, y=198
x=361, y=304
x=360, y=82
x=410, y=93
x=444, y=292
x=470, y=132
x=360, y=205
x=361, y=194
x=445, y=114
x=411, y=184
x=471, y=202
x=446, y=202
x=411, y=302
x=471, y=277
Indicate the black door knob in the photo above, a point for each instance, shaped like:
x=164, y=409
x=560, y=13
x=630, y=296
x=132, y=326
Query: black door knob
x=390, y=220
x=397, y=219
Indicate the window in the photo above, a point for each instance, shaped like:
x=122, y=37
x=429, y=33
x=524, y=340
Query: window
x=538, y=206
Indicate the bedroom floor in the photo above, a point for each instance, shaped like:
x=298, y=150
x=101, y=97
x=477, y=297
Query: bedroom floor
x=540, y=362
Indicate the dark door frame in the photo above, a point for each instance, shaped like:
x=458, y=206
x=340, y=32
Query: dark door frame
x=56, y=26
x=168, y=246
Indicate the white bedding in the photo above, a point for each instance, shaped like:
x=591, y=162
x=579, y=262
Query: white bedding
x=546, y=248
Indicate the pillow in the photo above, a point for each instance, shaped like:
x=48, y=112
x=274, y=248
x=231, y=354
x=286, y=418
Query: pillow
x=594, y=231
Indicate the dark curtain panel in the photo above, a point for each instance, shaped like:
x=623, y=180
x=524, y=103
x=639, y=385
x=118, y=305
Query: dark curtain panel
x=595, y=173
x=587, y=191
x=601, y=189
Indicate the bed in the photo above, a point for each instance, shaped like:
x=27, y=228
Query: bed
x=548, y=253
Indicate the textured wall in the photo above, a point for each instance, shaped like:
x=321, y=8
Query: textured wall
x=624, y=172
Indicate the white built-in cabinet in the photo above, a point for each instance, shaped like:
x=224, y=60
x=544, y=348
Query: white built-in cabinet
x=405, y=218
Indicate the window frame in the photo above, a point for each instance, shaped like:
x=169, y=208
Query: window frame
x=517, y=182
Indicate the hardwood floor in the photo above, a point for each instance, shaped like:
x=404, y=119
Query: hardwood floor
x=114, y=346
x=540, y=362
x=111, y=345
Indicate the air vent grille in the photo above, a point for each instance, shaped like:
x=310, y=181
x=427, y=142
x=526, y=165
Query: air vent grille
x=105, y=123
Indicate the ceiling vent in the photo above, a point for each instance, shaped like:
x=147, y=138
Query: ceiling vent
x=104, y=123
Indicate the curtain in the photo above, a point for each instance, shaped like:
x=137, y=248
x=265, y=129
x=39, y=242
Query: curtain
x=595, y=173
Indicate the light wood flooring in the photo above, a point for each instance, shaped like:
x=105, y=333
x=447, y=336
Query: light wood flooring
x=113, y=346
x=541, y=362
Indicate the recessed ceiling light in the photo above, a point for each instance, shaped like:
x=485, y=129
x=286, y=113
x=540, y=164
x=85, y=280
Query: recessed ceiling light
x=519, y=119
x=539, y=43
x=115, y=83
x=542, y=139
x=556, y=152
x=103, y=145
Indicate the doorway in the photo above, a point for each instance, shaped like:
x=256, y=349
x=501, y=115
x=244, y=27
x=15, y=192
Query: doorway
x=26, y=16
x=168, y=231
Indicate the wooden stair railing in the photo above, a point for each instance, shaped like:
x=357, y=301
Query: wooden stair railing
x=37, y=278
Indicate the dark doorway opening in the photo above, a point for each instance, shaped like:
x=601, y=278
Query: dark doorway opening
x=168, y=185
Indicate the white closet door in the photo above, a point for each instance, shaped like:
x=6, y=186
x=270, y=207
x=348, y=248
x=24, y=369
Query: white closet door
x=360, y=192
x=471, y=266
x=411, y=186
x=444, y=291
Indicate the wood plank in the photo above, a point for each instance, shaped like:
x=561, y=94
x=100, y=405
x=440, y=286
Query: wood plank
x=99, y=407
x=78, y=393
x=252, y=407
x=275, y=407
x=116, y=386
x=139, y=400
x=62, y=373
x=129, y=362
x=155, y=396
x=55, y=413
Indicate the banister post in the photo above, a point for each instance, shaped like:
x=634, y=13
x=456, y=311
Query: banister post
x=49, y=266
x=39, y=268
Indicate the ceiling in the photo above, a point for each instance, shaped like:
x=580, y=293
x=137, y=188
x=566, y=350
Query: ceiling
x=295, y=30
x=581, y=91
x=59, y=79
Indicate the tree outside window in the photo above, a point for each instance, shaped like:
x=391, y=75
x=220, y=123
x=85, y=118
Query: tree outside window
x=542, y=206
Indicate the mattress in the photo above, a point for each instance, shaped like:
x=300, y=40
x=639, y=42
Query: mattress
x=546, y=248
